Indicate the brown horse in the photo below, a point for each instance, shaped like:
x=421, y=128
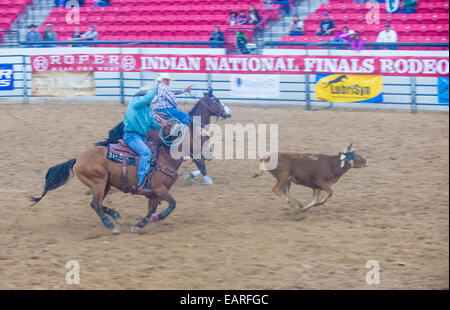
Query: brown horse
x=98, y=173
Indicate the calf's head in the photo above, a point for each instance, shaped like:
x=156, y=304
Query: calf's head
x=355, y=160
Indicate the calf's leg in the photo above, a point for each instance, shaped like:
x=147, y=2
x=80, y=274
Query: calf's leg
x=316, y=194
x=329, y=192
x=293, y=203
x=322, y=186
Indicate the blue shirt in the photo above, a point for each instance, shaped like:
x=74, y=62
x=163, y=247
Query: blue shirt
x=33, y=36
x=139, y=117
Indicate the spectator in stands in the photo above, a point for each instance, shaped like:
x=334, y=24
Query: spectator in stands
x=356, y=42
x=49, y=34
x=241, y=41
x=343, y=36
x=233, y=18
x=91, y=34
x=387, y=36
x=60, y=3
x=296, y=28
x=242, y=18
x=32, y=35
x=102, y=3
x=409, y=6
x=216, y=36
x=77, y=36
x=326, y=27
x=253, y=15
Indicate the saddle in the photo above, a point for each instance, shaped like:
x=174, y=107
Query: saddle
x=121, y=153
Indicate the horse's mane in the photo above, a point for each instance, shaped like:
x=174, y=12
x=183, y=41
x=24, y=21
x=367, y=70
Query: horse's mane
x=192, y=111
x=114, y=135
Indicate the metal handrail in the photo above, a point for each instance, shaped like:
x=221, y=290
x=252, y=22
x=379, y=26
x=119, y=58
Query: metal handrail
x=270, y=43
x=26, y=43
x=345, y=44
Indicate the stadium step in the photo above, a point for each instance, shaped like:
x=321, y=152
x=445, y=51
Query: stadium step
x=34, y=13
x=281, y=28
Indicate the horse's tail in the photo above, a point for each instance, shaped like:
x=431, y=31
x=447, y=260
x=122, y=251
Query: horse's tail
x=56, y=176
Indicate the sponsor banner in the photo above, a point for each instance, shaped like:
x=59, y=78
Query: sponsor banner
x=349, y=88
x=6, y=77
x=255, y=85
x=443, y=90
x=245, y=64
x=63, y=84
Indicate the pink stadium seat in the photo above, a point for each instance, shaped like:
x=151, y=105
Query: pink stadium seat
x=180, y=20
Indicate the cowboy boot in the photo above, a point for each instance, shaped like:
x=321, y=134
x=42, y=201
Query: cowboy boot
x=144, y=189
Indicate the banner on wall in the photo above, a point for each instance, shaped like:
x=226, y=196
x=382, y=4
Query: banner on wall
x=245, y=64
x=443, y=90
x=255, y=85
x=349, y=88
x=6, y=77
x=63, y=84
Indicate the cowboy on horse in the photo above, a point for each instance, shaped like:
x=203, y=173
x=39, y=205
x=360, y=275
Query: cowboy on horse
x=166, y=102
x=111, y=163
x=166, y=105
x=138, y=120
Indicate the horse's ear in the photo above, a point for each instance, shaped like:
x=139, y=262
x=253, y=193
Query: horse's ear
x=210, y=92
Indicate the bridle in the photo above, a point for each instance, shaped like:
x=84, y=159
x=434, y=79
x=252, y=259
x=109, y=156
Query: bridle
x=202, y=102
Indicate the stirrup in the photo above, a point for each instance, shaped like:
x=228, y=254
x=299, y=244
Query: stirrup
x=144, y=188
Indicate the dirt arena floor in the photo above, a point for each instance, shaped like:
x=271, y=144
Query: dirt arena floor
x=235, y=234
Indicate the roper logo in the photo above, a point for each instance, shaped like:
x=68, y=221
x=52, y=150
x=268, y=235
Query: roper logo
x=128, y=63
x=40, y=63
x=6, y=77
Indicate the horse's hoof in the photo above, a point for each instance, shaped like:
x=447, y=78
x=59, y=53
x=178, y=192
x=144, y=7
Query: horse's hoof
x=116, y=217
x=134, y=229
x=208, y=180
x=108, y=224
x=115, y=231
x=155, y=218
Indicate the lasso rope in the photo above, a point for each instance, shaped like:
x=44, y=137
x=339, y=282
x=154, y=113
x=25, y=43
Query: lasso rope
x=182, y=128
x=180, y=138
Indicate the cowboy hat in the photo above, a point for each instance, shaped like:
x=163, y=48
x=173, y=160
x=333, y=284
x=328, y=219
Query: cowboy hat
x=165, y=76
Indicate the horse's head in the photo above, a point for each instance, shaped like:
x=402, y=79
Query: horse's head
x=215, y=107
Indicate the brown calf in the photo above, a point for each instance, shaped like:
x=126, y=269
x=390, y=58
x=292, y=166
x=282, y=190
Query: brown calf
x=316, y=171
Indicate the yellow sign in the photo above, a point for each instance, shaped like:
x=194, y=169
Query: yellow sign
x=63, y=84
x=349, y=88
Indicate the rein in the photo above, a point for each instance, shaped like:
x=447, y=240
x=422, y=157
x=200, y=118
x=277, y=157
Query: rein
x=200, y=102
